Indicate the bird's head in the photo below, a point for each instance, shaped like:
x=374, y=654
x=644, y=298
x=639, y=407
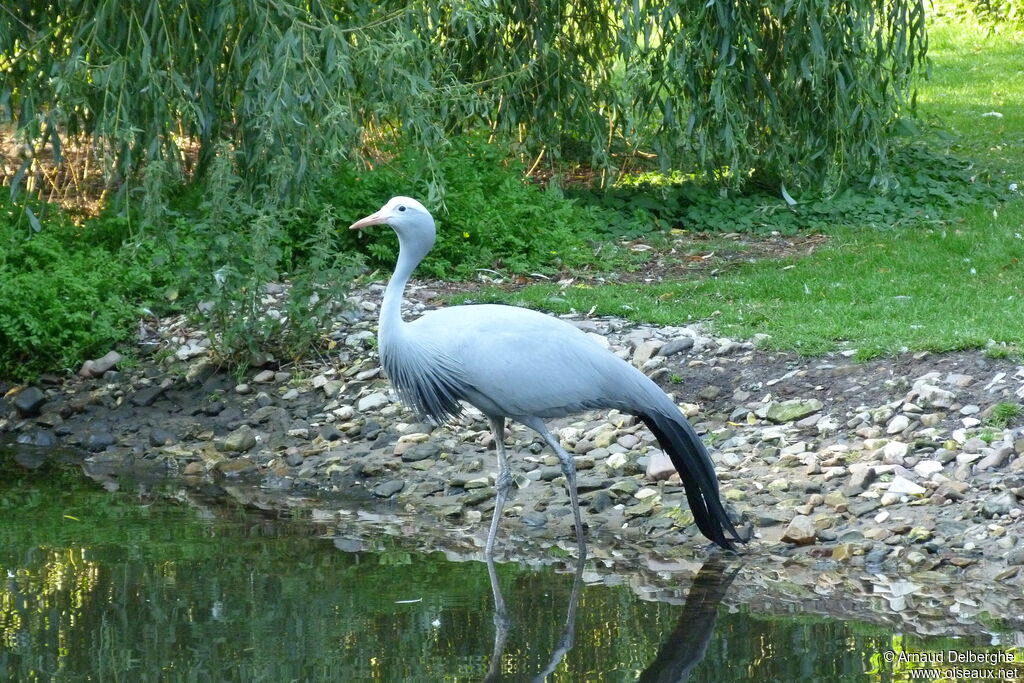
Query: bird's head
x=406, y=216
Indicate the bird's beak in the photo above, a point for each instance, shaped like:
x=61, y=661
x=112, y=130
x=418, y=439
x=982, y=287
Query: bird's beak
x=373, y=219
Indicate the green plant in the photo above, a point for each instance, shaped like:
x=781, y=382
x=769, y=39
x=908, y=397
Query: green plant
x=924, y=184
x=489, y=220
x=225, y=252
x=1004, y=413
x=63, y=296
x=801, y=92
x=1003, y=351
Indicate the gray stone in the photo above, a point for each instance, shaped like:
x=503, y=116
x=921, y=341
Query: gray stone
x=793, y=409
x=374, y=401
x=263, y=377
x=998, y=504
x=240, y=440
x=161, y=437
x=897, y=424
x=997, y=457
x=860, y=479
x=386, y=489
x=901, y=486
x=535, y=520
x=600, y=502
x=421, y=451
x=28, y=401
x=659, y=466
x=147, y=396
x=95, y=368
x=800, y=531
x=646, y=350
x=98, y=441
x=929, y=395
x=677, y=345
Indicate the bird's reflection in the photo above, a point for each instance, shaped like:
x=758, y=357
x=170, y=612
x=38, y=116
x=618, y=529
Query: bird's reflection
x=682, y=650
x=685, y=647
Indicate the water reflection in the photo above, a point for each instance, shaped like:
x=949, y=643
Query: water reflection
x=680, y=653
x=174, y=585
x=687, y=644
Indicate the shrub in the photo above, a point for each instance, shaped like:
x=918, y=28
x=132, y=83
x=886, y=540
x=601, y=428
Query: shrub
x=489, y=217
x=63, y=297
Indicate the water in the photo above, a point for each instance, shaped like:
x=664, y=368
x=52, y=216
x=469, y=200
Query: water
x=131, y=586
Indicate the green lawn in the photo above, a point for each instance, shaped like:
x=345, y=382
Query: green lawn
x=957, y=282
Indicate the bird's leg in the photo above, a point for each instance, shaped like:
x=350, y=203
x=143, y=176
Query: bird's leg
x=503, y=482
x=569, y=470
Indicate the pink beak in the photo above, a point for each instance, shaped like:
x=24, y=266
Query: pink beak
x=373, y=219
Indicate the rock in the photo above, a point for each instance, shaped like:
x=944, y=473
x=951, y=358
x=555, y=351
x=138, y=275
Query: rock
x=646, y=350
x=793, y=409
x=193, y=469
x=28, y=401
x=930, y=396
x=674, y=346
x=709, y=393
x=600, y=502
x=535, y=520
x=659, y=466
x=997, y=457
x=96, y=368
x=860, y=479
x=902, y=486
x=800, y=531
x=836, y=500
x=998, y=504
x=161, y=437
x=99, y=441
x=373, y=401
x=239, y=441
x=894, y=452
x=386, y=489
x=860, y=509
x=842, y=552
x=897, y=424
x=147, y=396
x=927, y=468
x=974, y=445
x=263, y=377
x=421, y=451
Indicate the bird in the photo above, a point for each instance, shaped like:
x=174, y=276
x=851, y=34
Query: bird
x=518, y=364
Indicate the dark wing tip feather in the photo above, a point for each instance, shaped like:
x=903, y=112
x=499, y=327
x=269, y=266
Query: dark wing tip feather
x=692, y=461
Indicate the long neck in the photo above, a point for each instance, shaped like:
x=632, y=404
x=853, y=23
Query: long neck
x=410, y=253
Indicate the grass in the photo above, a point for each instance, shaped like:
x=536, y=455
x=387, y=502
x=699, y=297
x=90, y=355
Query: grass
x=953, y=282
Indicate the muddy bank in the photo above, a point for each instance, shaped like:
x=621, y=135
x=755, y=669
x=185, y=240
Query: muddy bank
x=909, y=467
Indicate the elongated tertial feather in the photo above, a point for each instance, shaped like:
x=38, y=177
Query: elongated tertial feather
x=693, y=462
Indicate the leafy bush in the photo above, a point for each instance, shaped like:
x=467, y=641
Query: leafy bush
x=221, y=251
x=63, y=296
x=489, y=218
x=923, y=185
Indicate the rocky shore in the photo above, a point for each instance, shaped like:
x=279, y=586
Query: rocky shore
x=911, y=465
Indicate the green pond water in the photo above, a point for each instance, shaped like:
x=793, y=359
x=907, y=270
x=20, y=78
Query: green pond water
x=131, y=586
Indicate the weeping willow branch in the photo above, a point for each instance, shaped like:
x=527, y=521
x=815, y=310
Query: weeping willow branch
x=799, y=92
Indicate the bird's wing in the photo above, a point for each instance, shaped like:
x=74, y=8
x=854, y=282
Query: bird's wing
x=521, y=362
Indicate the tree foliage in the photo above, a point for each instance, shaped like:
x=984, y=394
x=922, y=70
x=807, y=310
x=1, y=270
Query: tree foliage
x=802, y=92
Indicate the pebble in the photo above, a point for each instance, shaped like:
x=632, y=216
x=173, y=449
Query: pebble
x=28, y=401
x=800, y=531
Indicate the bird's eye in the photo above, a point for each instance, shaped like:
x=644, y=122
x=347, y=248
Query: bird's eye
x=401, y=207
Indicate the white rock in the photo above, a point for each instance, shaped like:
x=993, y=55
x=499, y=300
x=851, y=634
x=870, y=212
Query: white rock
x=894, y=451
x=926, y=468
x=897, y=424
x=373, y=401
x=904, y=487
